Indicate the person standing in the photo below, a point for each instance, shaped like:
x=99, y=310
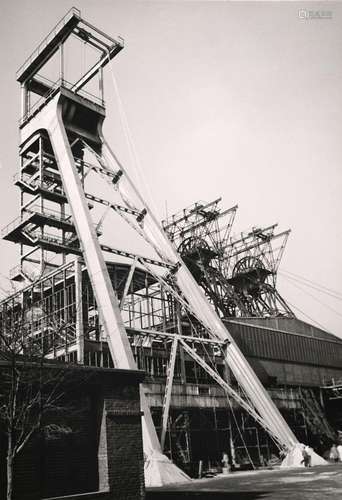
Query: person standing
x=339, y=452
x=306, y=452
x=333, y=455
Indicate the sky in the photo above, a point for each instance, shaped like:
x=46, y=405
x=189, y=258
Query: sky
x=234, y=99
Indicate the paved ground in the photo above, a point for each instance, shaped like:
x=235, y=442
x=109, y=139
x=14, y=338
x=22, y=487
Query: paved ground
x=317, y=483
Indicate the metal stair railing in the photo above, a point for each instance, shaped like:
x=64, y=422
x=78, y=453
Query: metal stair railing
x=314, y=414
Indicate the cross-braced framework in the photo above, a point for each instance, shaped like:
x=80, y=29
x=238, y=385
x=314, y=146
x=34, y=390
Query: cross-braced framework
x=238, y=274
x=112, y=313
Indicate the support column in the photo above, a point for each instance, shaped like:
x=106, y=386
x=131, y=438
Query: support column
x=61, y=62
x=101, y=89
x=24, y=100
x=168, y=391
x=120, y=451
x=158, y=469
x=42, y=261
x=79, y=311
x=102, y=454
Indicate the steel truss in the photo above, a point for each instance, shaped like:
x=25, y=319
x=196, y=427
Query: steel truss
x=238, y=274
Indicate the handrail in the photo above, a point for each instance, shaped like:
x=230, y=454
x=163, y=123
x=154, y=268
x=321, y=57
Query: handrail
x=60, y=83
x=35, y=209
x=330, y=383
x=14, y=271
x=35, y=184
x=39, y=104
x=11, y=225
x=72, y=12
x=26, y=178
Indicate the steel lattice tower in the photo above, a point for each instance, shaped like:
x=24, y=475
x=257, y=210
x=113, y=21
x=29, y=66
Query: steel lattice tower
x=238, y=274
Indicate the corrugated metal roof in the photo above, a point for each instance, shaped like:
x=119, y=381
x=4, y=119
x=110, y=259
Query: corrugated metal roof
x=290, y=325
x=267, y=343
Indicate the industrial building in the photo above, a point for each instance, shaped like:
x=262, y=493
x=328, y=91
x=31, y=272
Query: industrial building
x=192, y=394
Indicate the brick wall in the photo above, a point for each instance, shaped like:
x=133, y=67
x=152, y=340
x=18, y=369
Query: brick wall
x=125, y=472
x=100, y=450
x=121, y=442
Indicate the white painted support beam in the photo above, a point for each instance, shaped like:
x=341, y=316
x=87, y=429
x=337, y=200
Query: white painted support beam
x=79, y=311
x=168, y=391
x=50, y=118
x=114, y=206
x=229, y=390
x=198, y=303
x=97, y=66
x=130, y=255
x=168, y=335
x=128, y=282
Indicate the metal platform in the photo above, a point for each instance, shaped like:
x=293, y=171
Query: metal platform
x=14, y=230
x=32, y=82
x=34, y=189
